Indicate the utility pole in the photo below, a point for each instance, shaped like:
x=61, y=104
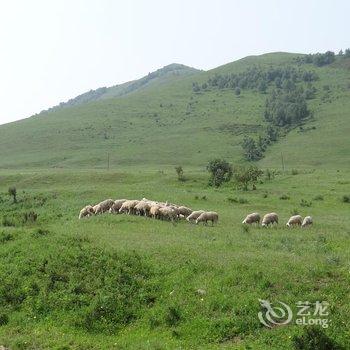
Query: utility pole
x=282, y=162
x=107, y=161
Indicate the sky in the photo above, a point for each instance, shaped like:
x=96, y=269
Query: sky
x=53, y=50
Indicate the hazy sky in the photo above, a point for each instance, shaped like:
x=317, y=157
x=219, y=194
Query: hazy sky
x=52, y=50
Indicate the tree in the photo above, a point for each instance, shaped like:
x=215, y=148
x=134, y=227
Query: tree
x=244, y=176
x=347, y=53
x=237, y=91
x=341, y=53
x=179, y=172
x=195, y=87
x=13, y=192
x=250, y=149
x=220, y=171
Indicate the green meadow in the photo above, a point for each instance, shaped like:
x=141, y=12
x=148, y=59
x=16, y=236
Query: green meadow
x=130, y=282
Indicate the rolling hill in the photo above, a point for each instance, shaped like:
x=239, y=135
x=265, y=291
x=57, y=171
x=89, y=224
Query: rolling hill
x=160, y=120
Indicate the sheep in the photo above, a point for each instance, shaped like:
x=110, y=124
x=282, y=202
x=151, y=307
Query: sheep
x=184, y=211
x=154, y=211
x=168, y=213
x=294, y=220
x=307, y=221
x=128, y=206
x=194, y=215
x=270, y=218
x=208, y=216
x=142, y=208
x=86, y=211
x=116, y=206
x=252, y=218
x=103, y=206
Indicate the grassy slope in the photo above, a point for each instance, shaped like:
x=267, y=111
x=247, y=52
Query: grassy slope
x=233, y=266
x=167, y=124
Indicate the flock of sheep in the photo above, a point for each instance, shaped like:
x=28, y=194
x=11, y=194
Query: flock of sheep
x=149, y=208
x=168, y=211
x=272, y=218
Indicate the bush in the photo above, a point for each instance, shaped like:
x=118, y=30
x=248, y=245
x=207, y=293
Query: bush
x=295, y=172
x=319, y=197
x=346, y=199
x=220, y=171
x=305, y=203
x=284, y=197
x=244, y=176
x=40, y=232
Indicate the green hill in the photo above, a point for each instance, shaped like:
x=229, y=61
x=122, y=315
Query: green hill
x=160, y=120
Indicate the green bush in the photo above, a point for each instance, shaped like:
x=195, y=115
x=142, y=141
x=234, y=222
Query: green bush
x=346, y=199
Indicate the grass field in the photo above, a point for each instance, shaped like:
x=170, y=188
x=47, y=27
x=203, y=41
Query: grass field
x=58, y=287
x=128, y=282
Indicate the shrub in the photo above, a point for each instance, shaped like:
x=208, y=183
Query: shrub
x=247, y=175
x=319, y=197
x=305, y=203
x=284, y=197
x=220, y=171
x=295, y=212
x=40, y=232
x=346, y=199
x=13, y=192
x=295, y=172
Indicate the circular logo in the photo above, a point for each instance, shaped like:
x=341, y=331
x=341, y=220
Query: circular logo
x=274, y=315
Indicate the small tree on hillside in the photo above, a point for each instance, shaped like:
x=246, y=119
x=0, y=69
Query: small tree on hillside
x=220, y=171
x=179, y=172
x=237, y=91
x=13, y=192
x=250, y=149
x=245, y=176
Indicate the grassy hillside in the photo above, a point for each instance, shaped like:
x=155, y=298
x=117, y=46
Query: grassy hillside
x=166, y=123
x=128, y=282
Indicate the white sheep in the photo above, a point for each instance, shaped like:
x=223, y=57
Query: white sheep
x=168, y=213
x=116, y=206
x=128, y=206
x=269, y=218
x=184, y=211
x=142, y=208
x=252, y=218
x=307, y=221
x=208, y=216
x=194, y=215
x=154, y=211
x=294, y=221
x=103, y=206
x=86, y=211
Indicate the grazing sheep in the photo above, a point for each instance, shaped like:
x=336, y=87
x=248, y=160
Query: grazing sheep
x=114, y=209
x=128, y=207
x=154, y=211
x=168, y=213
x=307, y=221
x=184, y=211
x=142, y=208
x=86, y=211
x=270, y=218
x=194, y=215
x=103, y=206
x=252, y=218
x=208, y=216
x=294, y=220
